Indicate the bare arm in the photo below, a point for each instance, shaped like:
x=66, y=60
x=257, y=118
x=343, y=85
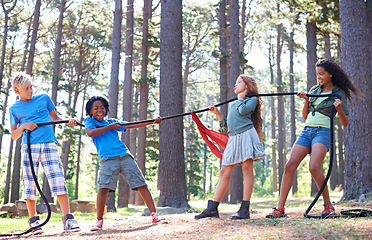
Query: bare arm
x=214, y=110
x=139, y=125
x=93, y=132
x=343, y=117
x=16, y=130
x=305, y=109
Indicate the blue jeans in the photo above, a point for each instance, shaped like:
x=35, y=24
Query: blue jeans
x=311, y=135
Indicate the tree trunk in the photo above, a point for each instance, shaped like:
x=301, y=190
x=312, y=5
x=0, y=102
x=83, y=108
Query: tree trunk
x=223, y=60
x=333, y=180
x=5, y=37
x=327, y=46
x=114, y=82
x=123, y=191
x=311, y=42
x=224, y=86
x=171, y=174
x=5, y=102
x=341, y=167
x=24, y=58
x=311, y=74
x=369, y=25
x=115, y=60
x=144, y=92
x=35, y=27
x=55, y=79
x=292, y=97
x=57, y=53
x=16, y=172
x=236, y=181
x=79, y=148
x=326, y=33
x=358, y=64
x=281, y=123
x=273, y=128
x=242, y=35
x=8, y=172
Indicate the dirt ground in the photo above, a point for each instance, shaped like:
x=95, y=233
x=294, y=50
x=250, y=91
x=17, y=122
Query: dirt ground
x=183, y=226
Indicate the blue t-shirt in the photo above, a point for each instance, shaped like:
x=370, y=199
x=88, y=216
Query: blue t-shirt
x=108, y=144
x=35, y=110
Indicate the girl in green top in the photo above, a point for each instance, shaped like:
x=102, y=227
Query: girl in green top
x=315, y=137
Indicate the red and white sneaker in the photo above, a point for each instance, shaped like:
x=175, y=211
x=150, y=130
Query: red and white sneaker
x=97, y=226
x=157, y=219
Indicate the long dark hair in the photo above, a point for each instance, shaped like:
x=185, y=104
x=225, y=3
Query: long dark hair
x=88, y=106
x=340, y=78
x=256, y=115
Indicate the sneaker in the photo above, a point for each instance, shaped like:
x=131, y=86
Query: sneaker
x=328, y=210
x=97, y=226
x=157, y=219
x=34, y=222
x=277, y=213
x=70, y=224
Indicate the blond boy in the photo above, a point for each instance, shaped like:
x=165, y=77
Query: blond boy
x=25, y=113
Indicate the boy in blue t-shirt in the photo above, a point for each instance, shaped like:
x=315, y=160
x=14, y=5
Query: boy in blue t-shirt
x=115, y=157
x=25, y=113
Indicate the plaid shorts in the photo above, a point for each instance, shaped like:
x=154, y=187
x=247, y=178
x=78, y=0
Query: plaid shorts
x=47, y=155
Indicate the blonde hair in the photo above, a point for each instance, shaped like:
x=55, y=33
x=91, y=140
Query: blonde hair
x=20, y=79
x=256, y=116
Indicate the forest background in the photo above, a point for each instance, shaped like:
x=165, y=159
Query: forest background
x=153, y=58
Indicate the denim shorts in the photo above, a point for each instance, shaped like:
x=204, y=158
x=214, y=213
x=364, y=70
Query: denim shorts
x=124, y=164
x=311, y=135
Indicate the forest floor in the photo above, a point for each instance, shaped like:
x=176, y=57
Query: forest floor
x=184, y=226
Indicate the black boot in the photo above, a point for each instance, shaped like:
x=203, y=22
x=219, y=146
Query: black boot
x=210, y=211
x=243, y=212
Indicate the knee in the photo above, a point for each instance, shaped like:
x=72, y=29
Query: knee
x=314, y=169
x=103, y=191
x=290, y=167
x=247, y=170
x=225, y=173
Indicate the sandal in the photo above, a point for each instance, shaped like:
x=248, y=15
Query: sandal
x=277, y=213
x=328, y=210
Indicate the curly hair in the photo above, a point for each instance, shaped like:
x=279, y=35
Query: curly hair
x=88, y=106
x=340, y=78
x=256, y=116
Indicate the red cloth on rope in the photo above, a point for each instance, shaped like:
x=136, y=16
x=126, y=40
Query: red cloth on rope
x=219, y=138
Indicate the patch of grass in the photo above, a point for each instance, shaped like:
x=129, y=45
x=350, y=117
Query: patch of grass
x=20, y=224
x=8, y=225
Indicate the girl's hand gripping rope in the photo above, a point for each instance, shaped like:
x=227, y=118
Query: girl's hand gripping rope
x=158, y=120
x=303, y=95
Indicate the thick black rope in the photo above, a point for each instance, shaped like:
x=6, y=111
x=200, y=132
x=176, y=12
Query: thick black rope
x=36, y=181
x=222, y=103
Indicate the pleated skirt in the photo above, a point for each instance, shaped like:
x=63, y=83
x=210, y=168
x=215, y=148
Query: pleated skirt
x=243, y=146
